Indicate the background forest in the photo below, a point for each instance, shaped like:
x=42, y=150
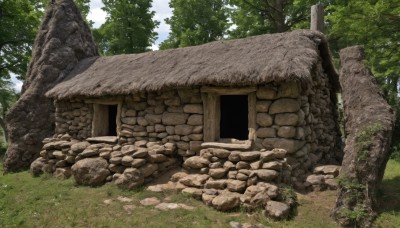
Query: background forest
x=130, y=28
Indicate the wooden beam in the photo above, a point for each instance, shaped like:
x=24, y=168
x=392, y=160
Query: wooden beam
x=212, y=116
x=228, y=90
x=252, y=116
x=118, y=120
x=104, y=101
x=206, y=129
x=317, y=18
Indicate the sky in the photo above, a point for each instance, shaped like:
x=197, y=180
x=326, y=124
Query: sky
x=98, y=16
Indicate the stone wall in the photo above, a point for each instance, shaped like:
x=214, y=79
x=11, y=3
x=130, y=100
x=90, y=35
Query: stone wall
x=170, y=116
x=303, y=122
x=283, y=122
x=94, y=163
x=75, y=118
x=325, y=139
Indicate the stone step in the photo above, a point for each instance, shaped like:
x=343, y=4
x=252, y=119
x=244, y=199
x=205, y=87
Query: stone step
x=103, y=139
x=247, y=145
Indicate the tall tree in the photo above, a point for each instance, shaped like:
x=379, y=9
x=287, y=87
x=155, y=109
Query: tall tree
x=196, y=22
x=19, y=22
x=129, y=27
x=254, y=17
x=7, y=98
x=376, y=25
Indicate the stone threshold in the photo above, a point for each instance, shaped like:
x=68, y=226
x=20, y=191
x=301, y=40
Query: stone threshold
x=103, y=139
x=240, y=145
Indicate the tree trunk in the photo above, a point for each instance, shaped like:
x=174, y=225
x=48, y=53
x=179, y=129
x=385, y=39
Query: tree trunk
x=369, y=122
x=279, y=16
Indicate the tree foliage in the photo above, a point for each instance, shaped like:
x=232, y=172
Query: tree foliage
x=7, y=98
x=129, y=27
x=196, y=22
x=19, y=20
x=255, y=17
x=376, y=25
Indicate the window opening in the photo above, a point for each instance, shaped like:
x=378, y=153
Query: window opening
x=112, y=120
x=234, y=116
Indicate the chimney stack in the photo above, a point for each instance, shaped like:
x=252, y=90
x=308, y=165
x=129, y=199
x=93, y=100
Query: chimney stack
x=317, y=18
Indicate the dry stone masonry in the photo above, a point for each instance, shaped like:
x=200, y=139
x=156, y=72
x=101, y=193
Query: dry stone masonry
x=94, y=163
x=74, y=118
x=226, y=179
x=160, y=130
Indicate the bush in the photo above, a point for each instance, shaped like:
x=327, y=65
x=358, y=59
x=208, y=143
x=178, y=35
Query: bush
x=395, y=147
x=395, y=152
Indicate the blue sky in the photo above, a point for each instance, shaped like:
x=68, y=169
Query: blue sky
x=98, y=16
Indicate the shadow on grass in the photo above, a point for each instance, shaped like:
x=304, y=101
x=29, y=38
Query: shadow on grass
x=389, y=195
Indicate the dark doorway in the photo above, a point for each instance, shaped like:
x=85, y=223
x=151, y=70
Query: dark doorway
x=112, y=120
x=234, y=117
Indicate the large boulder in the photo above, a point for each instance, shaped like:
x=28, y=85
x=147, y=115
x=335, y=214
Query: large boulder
x=62, y=41
x=91, y=171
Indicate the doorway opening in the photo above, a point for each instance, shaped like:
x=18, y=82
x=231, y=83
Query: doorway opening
x=112, y=120
x=234, y=117
x=104, y=120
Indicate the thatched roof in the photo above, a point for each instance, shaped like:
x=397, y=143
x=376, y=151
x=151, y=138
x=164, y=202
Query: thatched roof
x=249, y=61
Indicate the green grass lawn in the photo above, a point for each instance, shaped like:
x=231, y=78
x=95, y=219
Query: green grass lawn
x=46, y=202
x=390, y=197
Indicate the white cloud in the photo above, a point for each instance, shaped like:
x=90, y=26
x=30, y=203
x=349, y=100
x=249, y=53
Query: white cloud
x=161, y=7
x=18, y=86
x=17, y=83
x=96, y=14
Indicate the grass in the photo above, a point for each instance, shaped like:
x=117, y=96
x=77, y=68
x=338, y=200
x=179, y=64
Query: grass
x=390, y=196
x=46, y=202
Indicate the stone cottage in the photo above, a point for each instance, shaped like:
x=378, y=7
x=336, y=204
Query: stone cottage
x=231, y=100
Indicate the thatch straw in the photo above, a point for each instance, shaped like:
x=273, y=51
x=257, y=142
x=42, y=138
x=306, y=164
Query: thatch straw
x=249, y=61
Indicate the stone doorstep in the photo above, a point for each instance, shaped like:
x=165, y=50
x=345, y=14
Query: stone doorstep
x=228, y=146
x=103, y=139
